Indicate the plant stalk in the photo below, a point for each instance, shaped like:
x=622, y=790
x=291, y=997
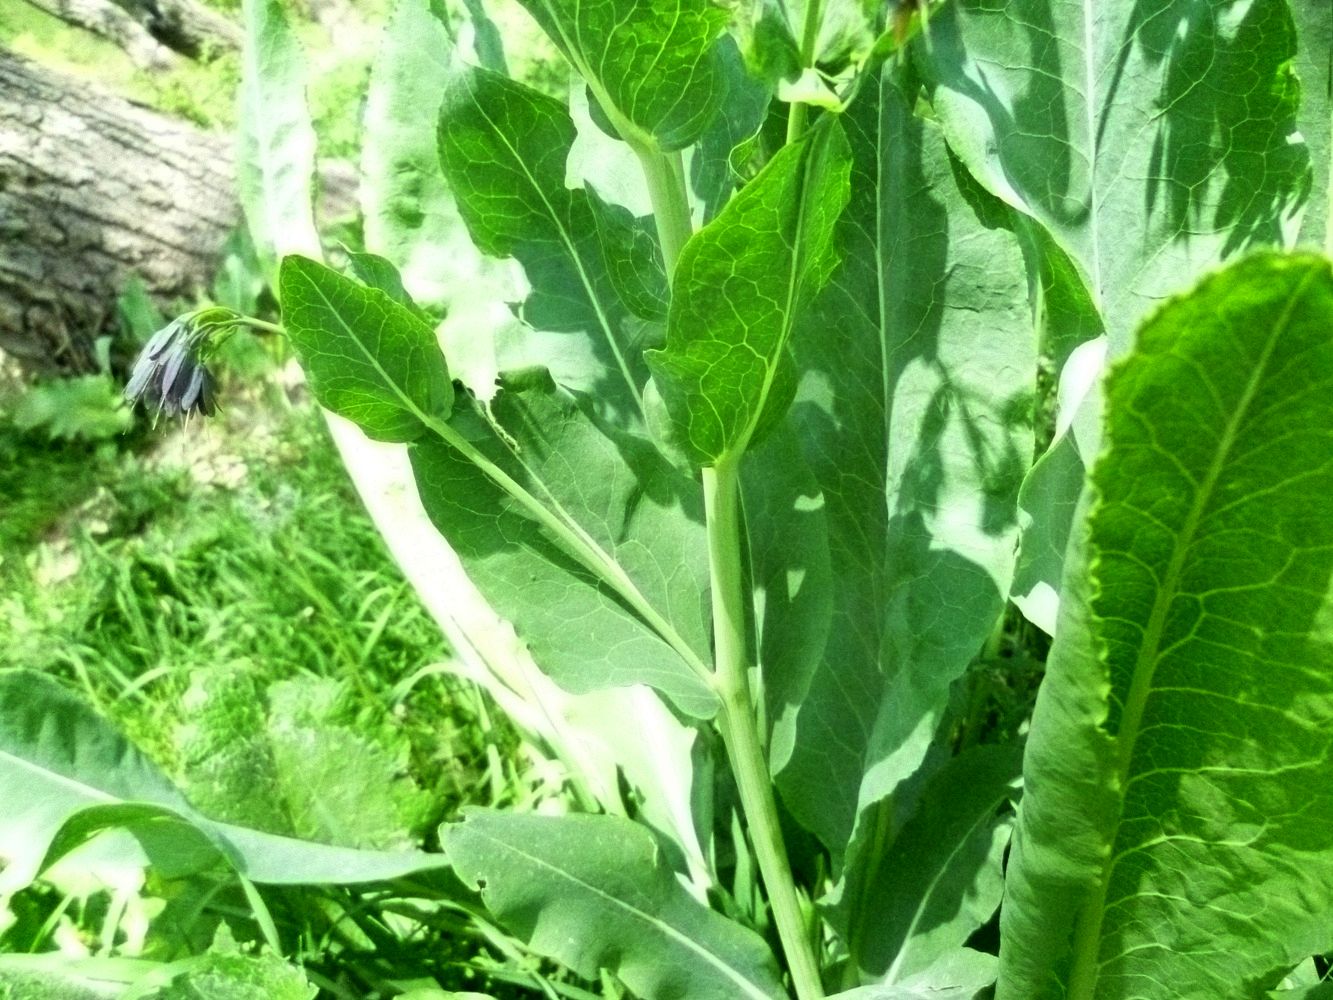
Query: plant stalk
x=665, y=177
x=797, y=115
x=737, y=722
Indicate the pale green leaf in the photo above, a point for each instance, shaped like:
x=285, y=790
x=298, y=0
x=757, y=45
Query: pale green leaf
x=80, y=407
x=368, y=358
x=275, y=161
x=1152, y=138
x=741, y=285
x=225, y=972
x=593, y=892
x=1174, y=836
x=504, y=147
x=1314, y=69
x=66, y=773
x=293, y=758
x=644, y=514
x=652, y=66
x=409, y=215
x=962, y=974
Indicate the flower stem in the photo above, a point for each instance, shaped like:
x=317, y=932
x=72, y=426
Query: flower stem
x=737, y=722
x=261, y=326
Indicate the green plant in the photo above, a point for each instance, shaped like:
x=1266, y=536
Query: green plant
x=753, y=468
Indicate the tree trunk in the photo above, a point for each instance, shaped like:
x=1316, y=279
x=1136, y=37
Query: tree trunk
x=94, y=189
x=151, y=31
x=115, y=24
x=185, y=26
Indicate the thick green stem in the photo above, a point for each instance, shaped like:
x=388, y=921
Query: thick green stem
x=797, y=116
x=665, y=176
x=738, y=725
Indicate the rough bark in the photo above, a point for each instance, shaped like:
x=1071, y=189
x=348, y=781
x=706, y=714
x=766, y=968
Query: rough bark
x=94, y=189
x=185, y=26
x=151, y=32
x=115, y=24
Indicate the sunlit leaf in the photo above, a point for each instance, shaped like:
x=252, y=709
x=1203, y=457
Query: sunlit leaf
x=1174, y=836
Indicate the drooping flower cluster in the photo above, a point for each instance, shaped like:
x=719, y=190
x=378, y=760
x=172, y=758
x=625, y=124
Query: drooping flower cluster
x=171, y=374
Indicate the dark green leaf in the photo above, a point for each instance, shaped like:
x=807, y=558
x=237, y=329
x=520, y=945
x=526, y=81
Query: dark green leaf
x=741, y=286
x=377, y=272
x=1174, y=836
x=368, y=358
x=914, y=417
x=503, y=147
x=941, y=880
x=593, y=893
x=643, y=513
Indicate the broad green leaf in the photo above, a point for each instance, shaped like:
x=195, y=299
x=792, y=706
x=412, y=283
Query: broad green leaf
x=1175, y=833
x=368, y=358
x=1314, y=69
x=740, y=287
x=644, y=514
x=66, y=773
x=80, y=407
x=652, y=66
x=914, y=418
x=1152, y=138
x=409, y=214
x=296, y=759
x=962, y=974
x=593, y=892
x=275, y=162
x=504, y=147
x=941, y=879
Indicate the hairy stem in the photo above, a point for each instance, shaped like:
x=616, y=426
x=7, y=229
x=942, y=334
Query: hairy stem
x=738, y=725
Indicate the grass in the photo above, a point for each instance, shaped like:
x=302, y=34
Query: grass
x=128, y=572
x=134, y=568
